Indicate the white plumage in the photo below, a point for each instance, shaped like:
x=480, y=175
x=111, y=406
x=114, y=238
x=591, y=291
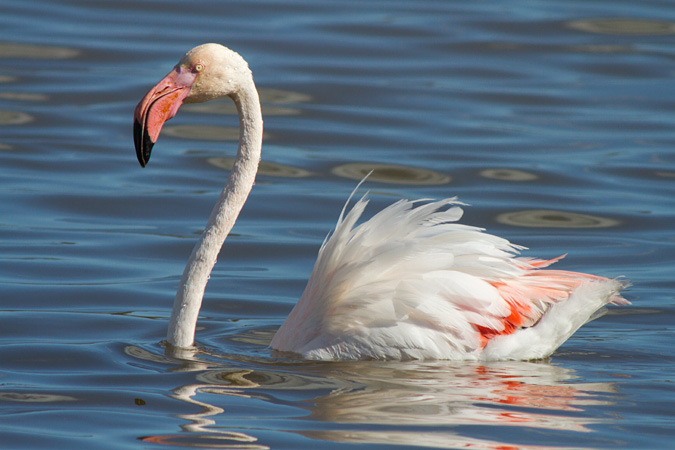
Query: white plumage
x=410, y=283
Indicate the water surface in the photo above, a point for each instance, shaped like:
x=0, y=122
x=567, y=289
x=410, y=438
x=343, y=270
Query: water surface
x=555, y=122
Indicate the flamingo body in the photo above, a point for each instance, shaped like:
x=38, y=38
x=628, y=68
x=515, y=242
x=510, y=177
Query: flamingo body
x=410, y=283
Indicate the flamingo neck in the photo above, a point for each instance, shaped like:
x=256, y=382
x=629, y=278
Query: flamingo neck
x=188, y=300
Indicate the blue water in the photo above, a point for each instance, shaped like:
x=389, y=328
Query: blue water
x=554, y=120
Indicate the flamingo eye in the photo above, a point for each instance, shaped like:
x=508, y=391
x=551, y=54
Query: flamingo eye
x=199, y=67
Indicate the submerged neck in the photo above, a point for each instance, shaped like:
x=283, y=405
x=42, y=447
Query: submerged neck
x=196, y=274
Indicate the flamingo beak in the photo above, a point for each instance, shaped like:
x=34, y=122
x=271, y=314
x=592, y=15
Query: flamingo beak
x=158, y=106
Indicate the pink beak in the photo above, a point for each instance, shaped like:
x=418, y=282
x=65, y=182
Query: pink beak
x=158, y=106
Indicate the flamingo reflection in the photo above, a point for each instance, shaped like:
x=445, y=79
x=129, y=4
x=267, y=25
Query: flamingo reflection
x=396, y=398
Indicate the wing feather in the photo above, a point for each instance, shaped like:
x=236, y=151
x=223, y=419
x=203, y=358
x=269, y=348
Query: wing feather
x=413, y=283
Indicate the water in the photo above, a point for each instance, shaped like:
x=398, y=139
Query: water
x=553, y=120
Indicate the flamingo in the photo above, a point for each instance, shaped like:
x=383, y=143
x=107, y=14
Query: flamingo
x=410, y=283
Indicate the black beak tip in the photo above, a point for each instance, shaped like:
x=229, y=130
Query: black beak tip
x=143, y=143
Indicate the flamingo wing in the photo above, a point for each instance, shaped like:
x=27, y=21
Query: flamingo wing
x=412, y=283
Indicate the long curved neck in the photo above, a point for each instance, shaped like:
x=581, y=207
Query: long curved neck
x=188, y=300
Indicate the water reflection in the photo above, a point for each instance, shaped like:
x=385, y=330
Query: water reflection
x=547, y=218
x=34, y=397
x=201, y=425
x=381, y=173
x=508, y=175
x=14, y=118
x=509, y=394
x=204, y=132
x=16, y=50
x=225, y=440
x=265, y=168
x=623, y=26
x=395, y=398
x=23, y=96
x=389, y=173
x=273, y=103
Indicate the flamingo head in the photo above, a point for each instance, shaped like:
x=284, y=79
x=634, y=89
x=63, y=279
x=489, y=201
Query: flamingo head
x=206, y=72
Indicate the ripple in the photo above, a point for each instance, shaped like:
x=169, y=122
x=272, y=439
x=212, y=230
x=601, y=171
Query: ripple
x=508, y=175
x=33, y=397
x=224, y=380
x=223, y=440
x=267, y=96
x=228, y=108
x=214, y=107
x=203, y=132
x=14, y=118
x=140, y=353
x=389, y=173
x=547, y=218
x=265, y=168
x=14, y=50
x=624, y=26
x=272, y=110
x=599, y=48
x=283, y=96
x=23, y=96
